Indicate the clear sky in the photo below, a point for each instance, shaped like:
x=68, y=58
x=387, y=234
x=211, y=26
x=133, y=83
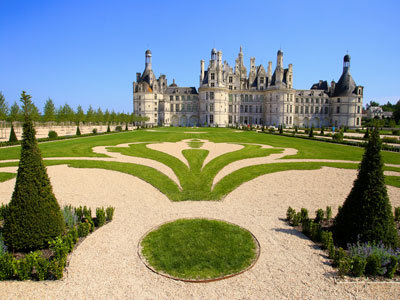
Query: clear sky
x=88, y=52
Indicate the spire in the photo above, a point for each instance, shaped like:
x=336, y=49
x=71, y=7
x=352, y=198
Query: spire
x=148, y=59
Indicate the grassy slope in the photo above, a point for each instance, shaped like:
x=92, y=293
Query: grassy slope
x=4, y=176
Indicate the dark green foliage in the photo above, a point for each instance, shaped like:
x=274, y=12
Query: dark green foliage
x=328, y=213
x=296, y=219
x=94, y=131
x=396, y=132
x=295, y=129
x=3, y=211
x=118, y=128
x=367, y=214
x=126, y=127
x=366, y=135
x=33, y=217
x=373, y=266
x=280, y=129
x=304, y=214
x=311, y=133
x=358, y=266
x=319, y=215
x=78, y=131
x=316, y=232
x=100, y=216
x=340, y=254
x=52, y=134
x=322, y=130
x=110, y=213
x=6, y=266
x=392, y=266
x=83, y=229
x=13, y=136
x=397, y=214
x=90, y=221
x=108, y=128
x=338, y=136
x=344, y=266
x=290, y=213
x=307, y=226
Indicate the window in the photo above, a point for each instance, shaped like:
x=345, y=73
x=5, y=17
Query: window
x=241, y=97
x=312, y=109
x=245, y=108
x=326, y=110
x=230, y=87
x=306, y=100
x=230, y=79
x=230, y=119
x=171, y=107
x=251, y=98
x=312, y=100
x=176, y=107
x=188, y=98
x=338, y=100
x=206, y=95
x=139, y=97
x=183, y=107
x=183, y=98
x=316, y=109
x=241, y=108
x=212, y=76
x=302, y=100
x=256, y=109
x=260, y=109
x=230, y=108
x=189, y=107
x=177, y=98
x=211, y=95
x=246, y=98
x=261, y=80
x=211, y=119
x=230, y=97
x=326, y=101
x=250, y=108
x=296, y=109
x=297, y=100
x=290, y=108
x=306, y=109
x=302, y=109
x=171, y=98
x=317, y=100
x=211, y=106
x=359, y=100
x=212, y=84
x=338, y=109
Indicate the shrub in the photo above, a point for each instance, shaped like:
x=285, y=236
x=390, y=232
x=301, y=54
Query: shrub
x=328, y=213
x=295, y=129
x=83, y=229
x=319, y=216
x=307, y=130
x=290, y=214
x=358, y=266
x=397, y=214
x=118, y=128
x=367, y=210
x=33, y=216
x=78, y=131
x=316, y=233
x=100, y=217
x=108, y=128
x=344, y=266
x=13, y=136
x=74, y=234
x=304, y=214
x=87, y=212
x=281, y=129
x=373, y=266
x=392, y=140
x=271, y=129
x=296, y=219
x=94, y=131
x=70, y=218
x=110, y=213
x=338, y=137
x=311, y=133
x=7, y=262
x=340, y=254
x=52, y=134
x=396, y=132
x=56, y=267
x=392, y=266
x=322, y=130
x=307, y=226
x=126, y=127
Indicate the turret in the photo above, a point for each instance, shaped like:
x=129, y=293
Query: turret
x=201, y=71
x=269, y=72
x=279, y=59
x=148, y=60
x=346, y=63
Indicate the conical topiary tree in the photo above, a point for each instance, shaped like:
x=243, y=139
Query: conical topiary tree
x=13, y=136
x=108, y=128
x=33, y=217
x=311, y=133
x=366, y=215
x=78, y=131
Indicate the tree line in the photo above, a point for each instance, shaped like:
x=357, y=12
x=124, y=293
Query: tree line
x=65, y=113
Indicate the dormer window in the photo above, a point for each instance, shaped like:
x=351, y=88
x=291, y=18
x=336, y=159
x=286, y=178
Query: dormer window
x=212, y=76
x=230, y=79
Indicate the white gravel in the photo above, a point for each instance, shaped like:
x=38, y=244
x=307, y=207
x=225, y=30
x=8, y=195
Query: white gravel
x=106, y=265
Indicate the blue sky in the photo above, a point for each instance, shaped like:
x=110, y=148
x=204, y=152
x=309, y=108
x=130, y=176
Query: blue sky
x=88, y=52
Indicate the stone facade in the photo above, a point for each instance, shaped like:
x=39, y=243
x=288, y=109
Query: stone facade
x=231, y=96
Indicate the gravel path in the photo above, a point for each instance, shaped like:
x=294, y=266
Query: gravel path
x=106, y=265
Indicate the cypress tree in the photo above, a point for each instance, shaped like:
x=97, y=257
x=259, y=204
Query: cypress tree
x=366, y=215
x=311, y=134
x=78, y=131
x=13, y=136
x=33, y=217
x=108, y=128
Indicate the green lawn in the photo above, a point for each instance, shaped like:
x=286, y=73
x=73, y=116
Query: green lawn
x=199, y=249
x=196, y=179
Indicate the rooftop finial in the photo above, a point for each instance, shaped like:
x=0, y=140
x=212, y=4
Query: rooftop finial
x=241, y=49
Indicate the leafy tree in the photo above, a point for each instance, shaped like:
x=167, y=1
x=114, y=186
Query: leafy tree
x=372, y=103
x=68, y=113
x=396, y=112
x=99, y=116
x=113, y=116
x=60, y=115
x=4, y=109
x=90, y=115
x=388, y=107
x=33, y=216
x=366, y=215
x=49, y=111
x=15, y=113
x=80, y=115
x=107, y=116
